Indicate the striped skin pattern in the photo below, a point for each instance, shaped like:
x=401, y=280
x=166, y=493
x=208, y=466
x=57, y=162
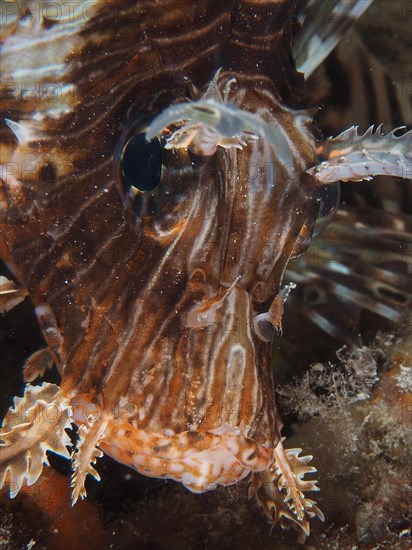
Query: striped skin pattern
x=161, y=393
x=148, y=306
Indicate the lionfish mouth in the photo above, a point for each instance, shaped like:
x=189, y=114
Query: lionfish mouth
x=199, y=460
x=214, y=416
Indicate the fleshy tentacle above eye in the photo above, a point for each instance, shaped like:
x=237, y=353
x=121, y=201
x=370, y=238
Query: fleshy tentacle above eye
x=354, y=157
x=207, y=124
x=210, y=124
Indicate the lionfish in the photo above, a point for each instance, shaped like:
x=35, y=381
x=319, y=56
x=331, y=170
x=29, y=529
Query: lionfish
x=158, y=174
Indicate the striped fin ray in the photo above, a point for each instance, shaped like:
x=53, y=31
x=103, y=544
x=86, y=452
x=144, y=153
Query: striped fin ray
x=362, y=262
x=325, y=24
x=358, y=270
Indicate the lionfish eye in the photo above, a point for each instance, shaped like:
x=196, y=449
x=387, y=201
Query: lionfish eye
x=141, y=162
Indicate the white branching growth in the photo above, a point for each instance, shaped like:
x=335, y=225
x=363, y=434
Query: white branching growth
x=351, y=157
x=280, y=490
x=328, y=390
x=85, y=455
x=34, y=425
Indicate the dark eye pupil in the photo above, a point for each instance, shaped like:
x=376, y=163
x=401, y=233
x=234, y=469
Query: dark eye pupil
x=142, y=163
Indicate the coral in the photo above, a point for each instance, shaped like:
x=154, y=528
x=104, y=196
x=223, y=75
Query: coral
x=354, y=416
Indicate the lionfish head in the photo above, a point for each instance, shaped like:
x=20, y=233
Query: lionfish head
x=219, y=208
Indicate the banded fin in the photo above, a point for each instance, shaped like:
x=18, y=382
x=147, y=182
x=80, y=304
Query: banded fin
x=85, y=456
x=355, y=157
x=324, y=26
x=280, y=490
x=357, y=273
x=10, y=294
x=35, y=424
x=362, y=261
x=37, y=364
